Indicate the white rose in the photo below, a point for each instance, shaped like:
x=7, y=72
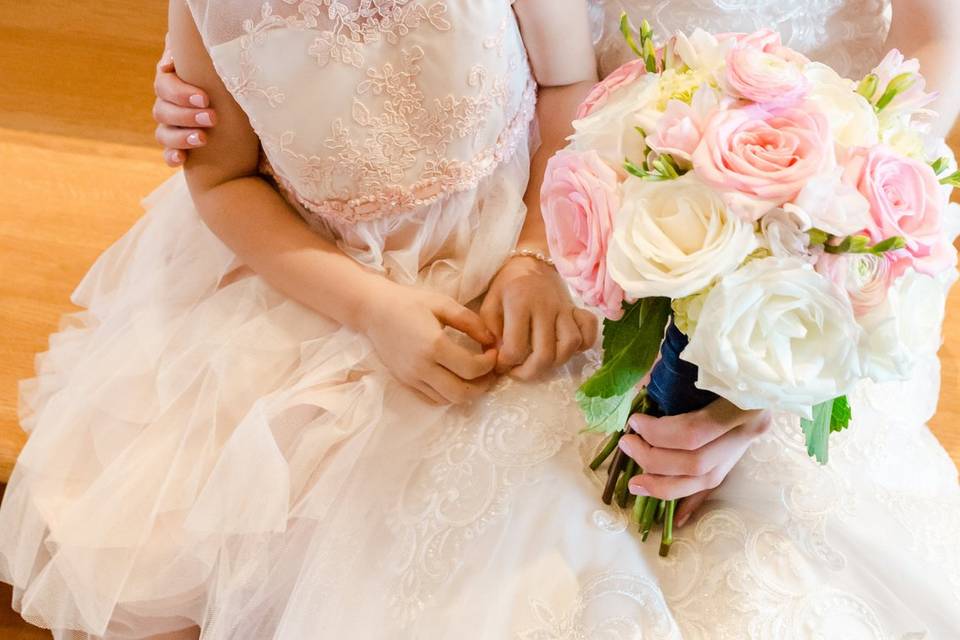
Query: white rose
x=853, y=119
x=905, y=328
x=776, y=335
x=832, y=205
x=672, y=238
x=785, y=234
x=611, y=131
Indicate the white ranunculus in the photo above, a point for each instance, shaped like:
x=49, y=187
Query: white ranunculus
x=776, y=335
x=672, y=238
x=611, y=131
x=785, y=234
x=833, y=205
x=905, y=328
x=853, y=119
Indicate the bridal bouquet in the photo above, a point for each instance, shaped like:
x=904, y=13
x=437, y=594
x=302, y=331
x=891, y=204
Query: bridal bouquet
x=774, y=231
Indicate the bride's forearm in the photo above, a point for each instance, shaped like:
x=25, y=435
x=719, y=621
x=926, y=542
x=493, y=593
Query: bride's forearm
x=556, y=108
x=928, y=30
x=251, y=218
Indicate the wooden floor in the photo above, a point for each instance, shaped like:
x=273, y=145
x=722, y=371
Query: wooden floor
x=76, y=156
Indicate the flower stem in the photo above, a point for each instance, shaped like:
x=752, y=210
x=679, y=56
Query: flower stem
x=661, y=509
x=646, y=521
x=638, y=506
x=621, y=494
x=616, y=467
x=666, y=539
x=608, y=448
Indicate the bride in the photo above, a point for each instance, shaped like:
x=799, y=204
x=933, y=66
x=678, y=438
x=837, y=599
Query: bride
x=478, y=521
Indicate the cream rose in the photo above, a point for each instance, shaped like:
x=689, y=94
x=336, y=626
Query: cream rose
x=853, y=120
x=673, y=238
x=776, y=335
x=611, y=130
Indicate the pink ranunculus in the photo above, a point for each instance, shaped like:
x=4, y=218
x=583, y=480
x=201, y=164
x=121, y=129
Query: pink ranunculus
x=579, y=198
x=680, y=128
x=865, y=278
x=768, y=41
x=765, y=76
x=905, y=200
x=761, y=159
x=619, y=78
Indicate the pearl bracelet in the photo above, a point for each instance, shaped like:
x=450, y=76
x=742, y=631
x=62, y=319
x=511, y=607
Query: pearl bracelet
x=532, y=253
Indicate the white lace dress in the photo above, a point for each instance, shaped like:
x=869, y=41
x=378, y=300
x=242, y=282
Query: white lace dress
x=206, y=451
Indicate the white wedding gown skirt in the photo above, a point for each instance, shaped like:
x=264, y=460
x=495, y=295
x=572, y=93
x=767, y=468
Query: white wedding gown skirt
x=204, y=451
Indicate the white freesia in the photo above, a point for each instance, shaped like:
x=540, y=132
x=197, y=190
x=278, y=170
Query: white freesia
x=612, y=132
x=853, y=120
x=672, y=238
x=784, y=232
x=832, y=205
x=905, y=328
x=701, y=51
x=776, y=335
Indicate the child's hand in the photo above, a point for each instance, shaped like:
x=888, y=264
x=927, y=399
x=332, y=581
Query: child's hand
x=539, y=327
x=406, y=327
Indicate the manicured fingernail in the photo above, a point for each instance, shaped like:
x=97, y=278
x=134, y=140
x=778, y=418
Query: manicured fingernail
x=203, y=119
x=198, y=100
x=176, y=157
x=194, y=139
x=638, y=490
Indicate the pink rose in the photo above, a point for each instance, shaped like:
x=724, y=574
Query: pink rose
x=905, y=200
x=619, y=78
x=765, y=72
x=762, y=159
x=579, y=198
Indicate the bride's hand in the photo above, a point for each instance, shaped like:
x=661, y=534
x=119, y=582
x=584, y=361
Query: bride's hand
x=689, y=455
x=407, y=329
x=539, y=327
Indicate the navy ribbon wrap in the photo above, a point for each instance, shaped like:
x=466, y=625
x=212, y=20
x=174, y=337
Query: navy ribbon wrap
x=672, y=383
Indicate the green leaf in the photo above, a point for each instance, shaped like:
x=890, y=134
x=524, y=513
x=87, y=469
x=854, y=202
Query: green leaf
x=630, y=345
x=817, y=431
x=952, y=180
x=606, y=415
x=840, y=414
x=828, y=417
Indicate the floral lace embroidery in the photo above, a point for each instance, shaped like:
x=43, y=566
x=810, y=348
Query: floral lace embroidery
x=465, y=484
x=379, y=163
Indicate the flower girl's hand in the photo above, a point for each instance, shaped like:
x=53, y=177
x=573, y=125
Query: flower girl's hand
x=689, y=455
x=539, y=327
x=407, y=328
x=181, y=111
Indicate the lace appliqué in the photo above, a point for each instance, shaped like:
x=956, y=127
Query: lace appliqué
x=465, y=484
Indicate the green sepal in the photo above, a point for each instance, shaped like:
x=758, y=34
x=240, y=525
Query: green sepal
x=939, y=165
x=868, y=86
x=628, y=32
x=897, y=86
x=952, y=180
x=818, y=237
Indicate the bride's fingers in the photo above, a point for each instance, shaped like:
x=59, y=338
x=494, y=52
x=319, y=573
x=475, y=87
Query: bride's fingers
x=678, y=462
x=689, y=506
x=454, y=389
x=688, y=431
x=464, y=363
x=589, y=328
x=568, y=338
x=543, y=339
x=673, y=487
x=491, y=313
x=516, y=336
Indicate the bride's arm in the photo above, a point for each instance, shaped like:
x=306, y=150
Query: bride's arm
x=930, y=31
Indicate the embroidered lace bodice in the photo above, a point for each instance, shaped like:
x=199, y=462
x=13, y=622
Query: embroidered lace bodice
x=372, y=107
x=846, y=34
